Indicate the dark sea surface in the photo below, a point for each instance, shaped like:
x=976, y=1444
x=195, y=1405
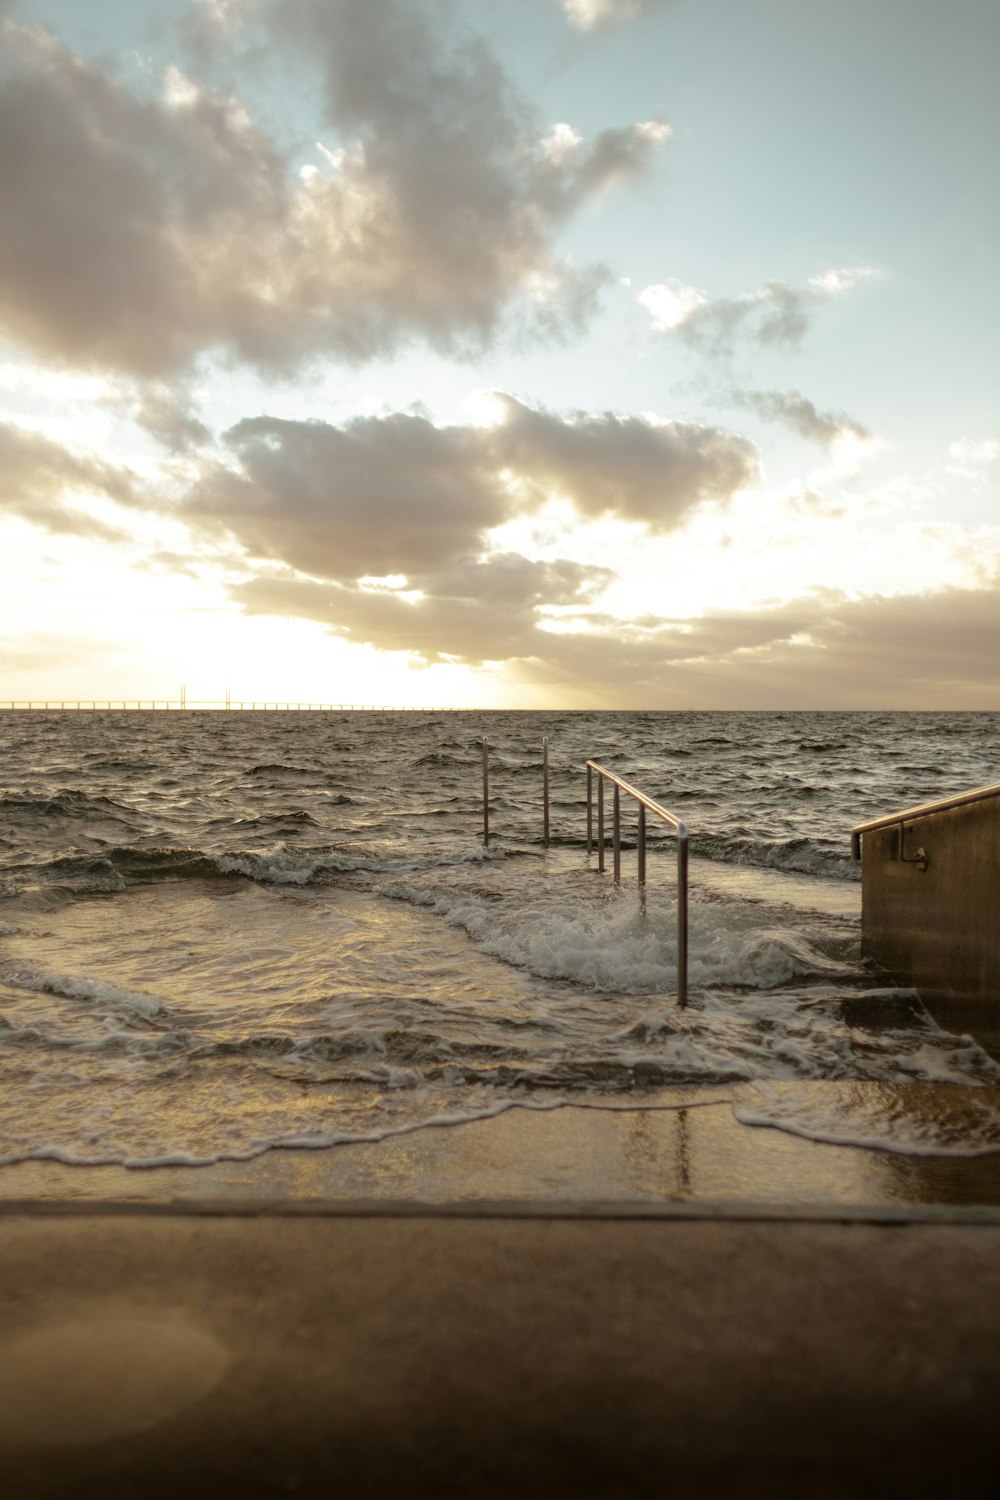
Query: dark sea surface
x=225, y=932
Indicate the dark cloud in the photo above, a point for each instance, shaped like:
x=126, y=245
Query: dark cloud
x=631, y=467
x=125, y=218
x=381, y=495
x=139, y=231
x=801, y=415
x=36, y=473
x=398, y=495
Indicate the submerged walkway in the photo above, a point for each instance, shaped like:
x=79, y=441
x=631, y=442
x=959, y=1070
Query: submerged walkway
x=373, y=1352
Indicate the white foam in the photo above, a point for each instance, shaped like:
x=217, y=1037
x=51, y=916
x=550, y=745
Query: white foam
x=91, y=991
x=610, y=945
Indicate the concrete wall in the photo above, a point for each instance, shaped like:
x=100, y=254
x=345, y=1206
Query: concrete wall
x=939, y=929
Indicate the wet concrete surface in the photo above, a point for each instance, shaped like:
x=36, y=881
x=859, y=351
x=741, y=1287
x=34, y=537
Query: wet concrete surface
x=569, y=1302
x=694, y=1152
x=156, y=1352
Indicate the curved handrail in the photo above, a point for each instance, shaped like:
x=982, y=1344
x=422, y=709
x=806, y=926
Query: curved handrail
x=890, y=820
x=646, y=804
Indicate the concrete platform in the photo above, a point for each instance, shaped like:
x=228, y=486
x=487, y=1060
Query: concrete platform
x=634, y=1303
x=494, y=1352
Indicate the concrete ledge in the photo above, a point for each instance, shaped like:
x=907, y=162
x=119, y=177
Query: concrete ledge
x=157, y=1354
x=379, y=1208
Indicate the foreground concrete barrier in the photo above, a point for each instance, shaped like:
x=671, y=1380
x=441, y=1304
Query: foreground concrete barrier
x=930, y=905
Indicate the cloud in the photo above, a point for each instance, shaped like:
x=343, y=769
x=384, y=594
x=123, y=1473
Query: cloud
x=35, y=474
x=670, y=303
x=124, y=215
x=140, y=231
x=971, y=457
x=170, y=417
x=485, y=610
x=631, y=467
x=398, y=495
x=379, y=496
x=389, y=518
x=777, y=315
x=802, y=416
x=592, y=15
x=824, y=651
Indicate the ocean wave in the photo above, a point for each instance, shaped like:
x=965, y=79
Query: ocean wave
x=278, y=768
x=804, y=856
x=67, y=802
x=85, y=989
x=612, y=946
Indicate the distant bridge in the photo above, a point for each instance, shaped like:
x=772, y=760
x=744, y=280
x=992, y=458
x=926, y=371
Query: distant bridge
x=189, y=705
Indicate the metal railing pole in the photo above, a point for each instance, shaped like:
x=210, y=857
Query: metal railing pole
x=486, y=791
x=617, y=836
x=680, y=828
x=682, y=921
x=590, y=810
x=545, y=790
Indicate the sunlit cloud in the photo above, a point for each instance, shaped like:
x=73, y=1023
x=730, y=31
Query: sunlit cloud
x=399, y=494
x=670, y=303
x=142, y=231
x=776, y=316
x=970, y=458
x=592, y=15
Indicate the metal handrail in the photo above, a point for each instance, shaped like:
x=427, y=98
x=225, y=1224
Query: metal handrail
x=646, y=804
x=890, y=820
x=545, y=790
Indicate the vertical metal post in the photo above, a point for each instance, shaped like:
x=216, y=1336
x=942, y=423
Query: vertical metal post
x=617, y=835
x=682, y=921
x=590, y=809
x=600, y=822
x=642, y=849
x=486, y=791
x=545, y=789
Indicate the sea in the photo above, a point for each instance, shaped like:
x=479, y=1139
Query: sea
x=223, y=933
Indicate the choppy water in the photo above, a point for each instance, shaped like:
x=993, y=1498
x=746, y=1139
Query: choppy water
x=225, y=932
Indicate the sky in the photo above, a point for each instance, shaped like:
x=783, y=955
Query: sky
x=544, y=354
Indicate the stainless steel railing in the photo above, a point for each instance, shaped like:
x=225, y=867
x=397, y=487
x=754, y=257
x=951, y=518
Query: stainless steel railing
x=897, y=819
x=646, y=804
x=545, y=790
